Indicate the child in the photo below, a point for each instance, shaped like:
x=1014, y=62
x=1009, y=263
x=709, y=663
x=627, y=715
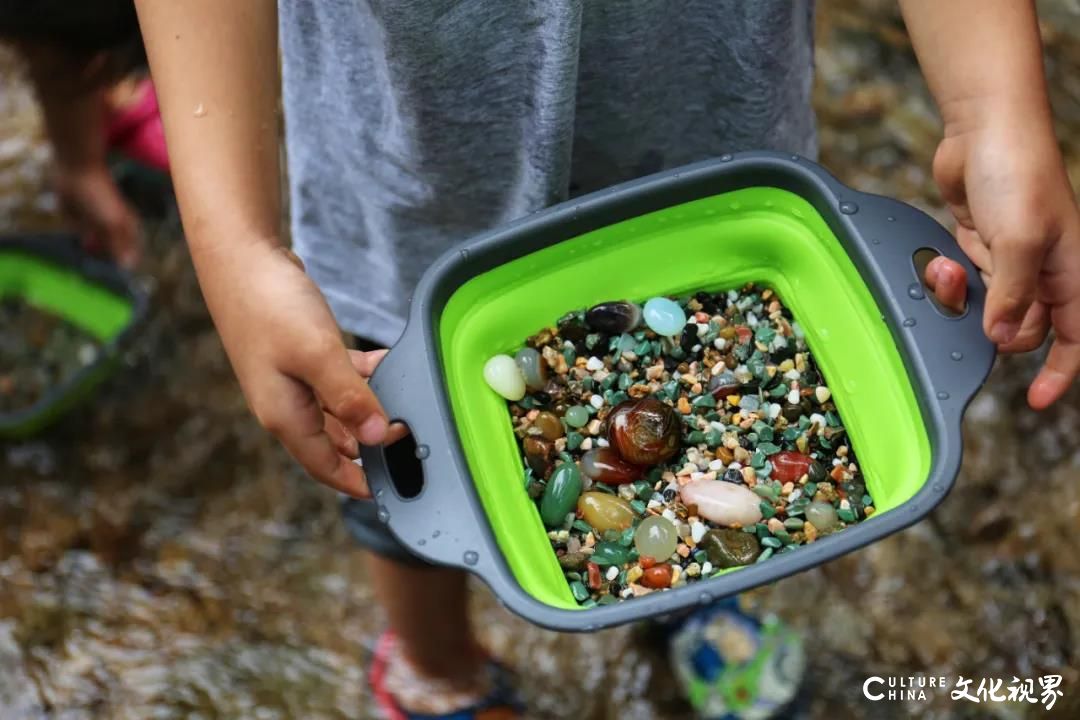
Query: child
x=78, y=55
x=413, y=125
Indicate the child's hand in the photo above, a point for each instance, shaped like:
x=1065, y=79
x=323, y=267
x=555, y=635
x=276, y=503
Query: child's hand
x=102, y=217
x=299, y=379
x=1017, y=220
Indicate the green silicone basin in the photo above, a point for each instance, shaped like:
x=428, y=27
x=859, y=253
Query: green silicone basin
x=759, y=234
x=63, y=292
x=47, y=273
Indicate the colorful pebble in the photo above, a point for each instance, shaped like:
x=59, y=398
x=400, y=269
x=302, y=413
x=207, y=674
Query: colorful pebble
x=660, y=453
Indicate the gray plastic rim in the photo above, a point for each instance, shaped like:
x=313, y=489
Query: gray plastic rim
x=948, y=359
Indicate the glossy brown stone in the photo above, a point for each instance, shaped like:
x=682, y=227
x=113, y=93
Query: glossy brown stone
x=539, y=454
x=604, y=465
x=549, y=425
x=645, y=431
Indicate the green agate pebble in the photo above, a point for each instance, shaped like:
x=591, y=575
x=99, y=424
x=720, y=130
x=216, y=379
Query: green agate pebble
x=576, y=416
x=561, y=494
x=656, y=537
x=663, y=316
x=503, y=376
x=610, y=553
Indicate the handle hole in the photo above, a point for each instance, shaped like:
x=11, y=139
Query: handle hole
x=406, y=472
x=922, y=258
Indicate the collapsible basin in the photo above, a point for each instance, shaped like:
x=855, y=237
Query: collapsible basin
x=53, y=274
x=901, y=371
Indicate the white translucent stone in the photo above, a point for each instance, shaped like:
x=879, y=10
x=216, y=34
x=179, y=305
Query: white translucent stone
x=722, y=502
x=697, y=531
x=504, y=376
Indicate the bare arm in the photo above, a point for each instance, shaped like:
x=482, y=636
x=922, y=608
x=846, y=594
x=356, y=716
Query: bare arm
x=1000, y=171
x=978, y=51
x=215, y=68
x=74, y=114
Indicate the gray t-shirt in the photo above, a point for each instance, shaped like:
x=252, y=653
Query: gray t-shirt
x=414, y=124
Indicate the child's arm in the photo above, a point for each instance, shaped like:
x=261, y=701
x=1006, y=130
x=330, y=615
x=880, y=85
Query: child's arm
x=215, y=69
x=1001, y=173
x=74, y=113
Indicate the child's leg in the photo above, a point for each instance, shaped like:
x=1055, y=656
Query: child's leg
x=427, y=610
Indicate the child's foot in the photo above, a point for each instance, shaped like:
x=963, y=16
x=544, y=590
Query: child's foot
x=403, y=693
x=734, y=666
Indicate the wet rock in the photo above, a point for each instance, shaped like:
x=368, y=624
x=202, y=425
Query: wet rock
x=729, y=548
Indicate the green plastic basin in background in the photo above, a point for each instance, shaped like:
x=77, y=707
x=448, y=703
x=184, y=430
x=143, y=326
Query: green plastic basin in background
x=51, y=274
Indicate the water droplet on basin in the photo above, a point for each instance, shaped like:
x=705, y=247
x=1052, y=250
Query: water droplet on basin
x=957, y=355
x=943, y=395
x=726, y=157
x=795, y=157
x=915, y=291
x=849, y=208
x=379, y=493
x=422, y=451
x=464, y=253
x=891, y=219
x=436, y=534
x=421, y=541
x=704, y=598
x=471, y=557
x=938, y=487
x=876, y=241
x=383, y=515
x=909, y=322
